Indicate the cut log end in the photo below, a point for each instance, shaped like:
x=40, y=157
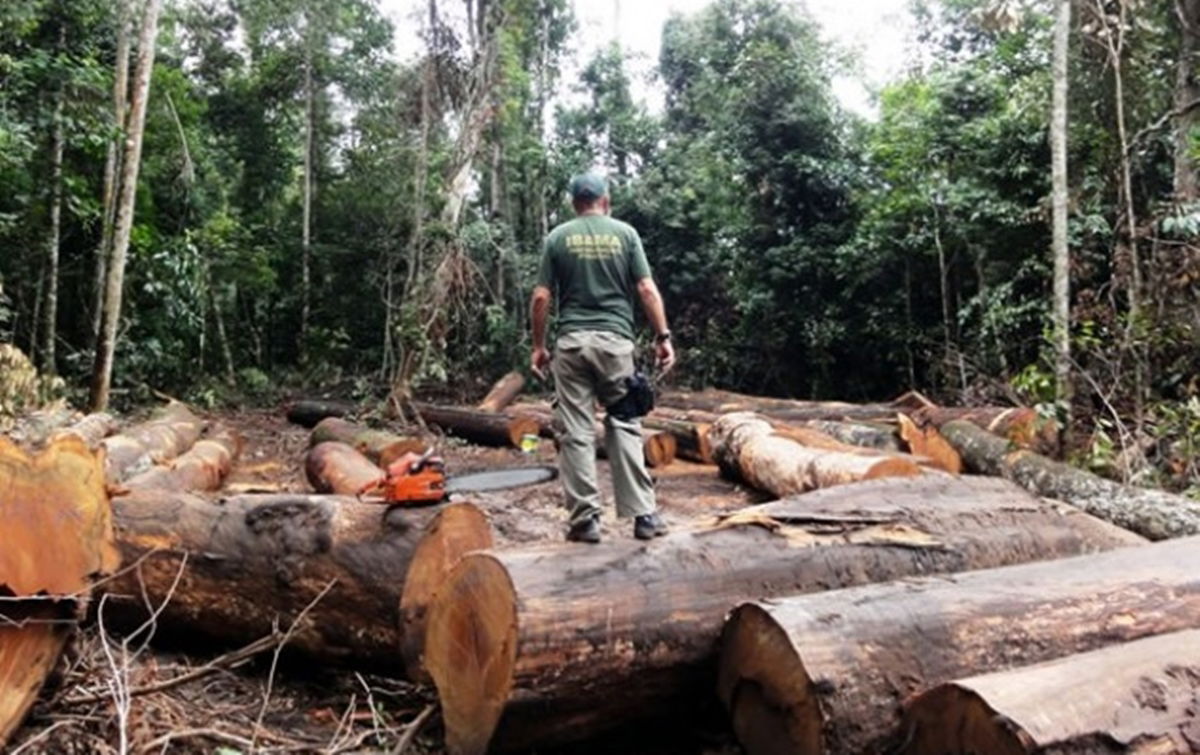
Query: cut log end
x=29, y=651
x=660, y=449
x=519, y=427
x=951, y=718
x=763, y=684
x=474, y=623
x=333, y=467
x=457, y=530
x=892, y=466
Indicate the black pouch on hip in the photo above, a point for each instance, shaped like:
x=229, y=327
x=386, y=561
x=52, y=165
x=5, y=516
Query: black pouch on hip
x=637, y=401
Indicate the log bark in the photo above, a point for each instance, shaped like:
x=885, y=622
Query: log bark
x=879, y=436
x=58, y=541
x=483, y=428
x=333, y=467
x=748, y=448
x=92, y=429
x=172, y=431
x=253, y=562
x=1021, y=426
x=1136, y=697
x=308, y=412
x=557, y=642
x=827, y=672
x=1155, y=514
x=380, y=446
x=503, y=392
x=205, y=467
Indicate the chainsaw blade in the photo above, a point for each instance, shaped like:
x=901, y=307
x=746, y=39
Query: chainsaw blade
x=500, y=479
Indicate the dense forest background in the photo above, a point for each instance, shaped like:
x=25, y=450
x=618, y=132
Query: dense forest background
x=310, y=210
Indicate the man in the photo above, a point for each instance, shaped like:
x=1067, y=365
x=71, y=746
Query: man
x=595, y=264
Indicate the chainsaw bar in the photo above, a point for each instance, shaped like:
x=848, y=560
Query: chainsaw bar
x=500, y=479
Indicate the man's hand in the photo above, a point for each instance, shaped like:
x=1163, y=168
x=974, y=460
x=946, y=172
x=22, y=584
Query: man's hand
x=665, y=351
x=540, y=361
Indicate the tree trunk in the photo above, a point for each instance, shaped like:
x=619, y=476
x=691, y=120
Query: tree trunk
x=92, y=429
x=827, y=672
x=255, y=562
x=381, y=447
x=53, y=236
x=308, y=412
x=58, y=541
x=306, y=230
x=333, y=467
x=484, y=428
x=171, y=432
x=106, y=344
x=112, y=167
x=1155, y=514
x=503, y=392
x=1060, y=190
x=1139, y=696
x=204, y=467
x=691, y=438
x=1187, y=96
x=748, y=448
x=523, y=651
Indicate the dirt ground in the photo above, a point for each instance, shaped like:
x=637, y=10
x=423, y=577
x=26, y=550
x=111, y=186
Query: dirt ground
x=261, y=703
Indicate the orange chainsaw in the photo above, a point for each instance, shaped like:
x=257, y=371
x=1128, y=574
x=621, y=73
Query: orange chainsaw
x=421, y=479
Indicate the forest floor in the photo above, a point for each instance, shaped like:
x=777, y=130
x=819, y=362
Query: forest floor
x=271, y=702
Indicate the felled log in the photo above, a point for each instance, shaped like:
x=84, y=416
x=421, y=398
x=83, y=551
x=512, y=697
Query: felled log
x=927, y=442
x=691, y=438
x=90, y=429
x=253, y=562
x=57, y=536
x=1140, y=696
x=747, y=447
x=879, y=436
x=169, y=433
x=1156, y=514
x=557, y=642
x=503, y=392
x=539, y=412
x=380, y=446
x=333, y=467
x=484, y=428
x=827, y=672
x=658, y=448
x=37, y=427
x=309, y=412
x=1021, y=426
x=204, y=467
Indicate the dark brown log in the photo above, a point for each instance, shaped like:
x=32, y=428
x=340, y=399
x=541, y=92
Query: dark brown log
x=1156, y=514
x=205, y=467
x=503, y=392
x=171, y=432
x=484, y=428
x=748, y=448
x=56, y=526
x=691, y=438
x=380, y=446
x=309, y=412
x=333, y=467
x=253, y=562
x=827, y=672
x=92, y=429
x=558, y=642
x=1136, y=697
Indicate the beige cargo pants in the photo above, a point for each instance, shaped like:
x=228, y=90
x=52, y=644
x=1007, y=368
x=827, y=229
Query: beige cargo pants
x=590, y=365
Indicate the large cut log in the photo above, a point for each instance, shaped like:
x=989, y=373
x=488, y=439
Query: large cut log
x=309, y=412
x=484, y=428
x=880, y=436
x=169, y=433
x=827, y=672
x=249, y=563
x=205, y=467
x=91, y=429
x=540, y=412
x=503, y=392
x=380, y=446
x=1142, y=696
x=1021, y=426
x=557, y=642
x=333, y=467
x=1156, y=514
x=928, y=443
x=37, y=427
x=658, y=448
x=56, y=528
x=747, y=447
x=691, y=438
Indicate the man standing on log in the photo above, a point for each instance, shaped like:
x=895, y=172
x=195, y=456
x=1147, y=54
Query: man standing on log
x=595, y=264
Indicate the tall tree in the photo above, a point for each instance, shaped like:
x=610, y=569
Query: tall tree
x=54, y=233
x=1061, y=254
x=123, y=225
x=1187, y=100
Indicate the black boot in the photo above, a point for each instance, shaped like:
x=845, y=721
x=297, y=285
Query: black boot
x=587, y=531
x=648, y=526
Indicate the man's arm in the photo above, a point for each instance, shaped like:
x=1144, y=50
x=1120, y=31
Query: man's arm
x=656, y=313
x=539, y=310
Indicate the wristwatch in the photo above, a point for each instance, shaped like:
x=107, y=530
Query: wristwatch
x=663, y=337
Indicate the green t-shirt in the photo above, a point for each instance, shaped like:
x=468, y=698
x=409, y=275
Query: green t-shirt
x=593, y=264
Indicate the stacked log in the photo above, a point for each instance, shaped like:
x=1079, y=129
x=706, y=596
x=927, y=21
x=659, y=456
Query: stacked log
x=827, y=672
x=658, y=448
x=204, y=467
x=58, y=542
x=1155, y=514
x=333, y=467
x=503, y=392
x=310, y=412
x=555, y=642
x=927, y=442
x=749, y=448
x=1140, y=696
x=691, y=438
x=91, y=429
x=380, y=446
x=169, y=433
x=484, y=428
